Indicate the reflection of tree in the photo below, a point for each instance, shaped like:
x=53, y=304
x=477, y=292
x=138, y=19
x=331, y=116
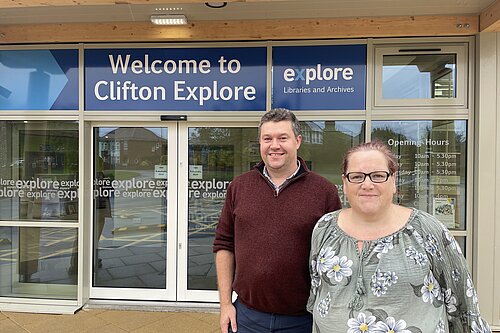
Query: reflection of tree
x=216, y=149
x=404, y=153
x=66, y=142
x=240, y=142
x=436, y=156
x=386, y=133
x=210, y=135
x=137, y=147
x=325, y=155
x=406, y=160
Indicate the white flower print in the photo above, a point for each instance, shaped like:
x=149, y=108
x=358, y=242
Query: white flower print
x=381, y=281
x=379, y=288
x=411, y=252
x=440, y=326
x=431, y=246
x=324, y=306
x=450, y=300
x=420, y=258
x=391, y=326
x=453, y=243
x=341, y=268
x=390, y=278
x=471, y=291
x=384, y=245
x=420, y=239
x=315, y=284
x=377, y=275
x=455, y=274
x=325, y=260
x=361, y=324
x=431, y=289
x=328, y=217
x=482, y=327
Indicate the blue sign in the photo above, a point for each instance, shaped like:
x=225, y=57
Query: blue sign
x=39, y=80
x=180, y=79
x=319, y=77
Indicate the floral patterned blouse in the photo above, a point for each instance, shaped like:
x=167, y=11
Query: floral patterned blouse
x=415, y=280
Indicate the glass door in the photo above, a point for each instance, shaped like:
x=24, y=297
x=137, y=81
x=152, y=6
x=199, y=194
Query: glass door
x=134, y=211
x=156, y=206
x=211, y=156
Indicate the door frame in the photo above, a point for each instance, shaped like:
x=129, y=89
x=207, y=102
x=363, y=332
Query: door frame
x=184, y=294
x=142, y=294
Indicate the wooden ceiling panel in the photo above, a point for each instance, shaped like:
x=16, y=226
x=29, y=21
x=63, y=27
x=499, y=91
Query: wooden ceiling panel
x=243, y=30
x=72, y=21
x=490, y=18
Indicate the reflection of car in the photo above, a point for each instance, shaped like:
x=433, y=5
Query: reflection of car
x=17, y=163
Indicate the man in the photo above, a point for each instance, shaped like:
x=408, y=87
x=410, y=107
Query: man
x=262, y=241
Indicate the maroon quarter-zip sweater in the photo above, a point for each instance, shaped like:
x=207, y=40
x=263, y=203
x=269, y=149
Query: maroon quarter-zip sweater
x=270, y=236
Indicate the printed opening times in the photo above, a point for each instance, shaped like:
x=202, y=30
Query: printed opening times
x=432, y=165
x=440, y=164
x=430, y=174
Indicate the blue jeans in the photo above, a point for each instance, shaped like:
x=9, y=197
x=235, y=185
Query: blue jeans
x=253, y=321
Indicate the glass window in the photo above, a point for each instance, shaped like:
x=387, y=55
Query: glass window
x=432, y=158
x=462, y=243
x=39, y=171
x=419, y=76
x=324, y=144
x=130, y=207
x=38, y=262
x=218, y=154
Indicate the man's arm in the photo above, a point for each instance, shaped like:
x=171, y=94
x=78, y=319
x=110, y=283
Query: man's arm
x=224, y=261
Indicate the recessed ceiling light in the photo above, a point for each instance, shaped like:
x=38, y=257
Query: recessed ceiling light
x=216, y=4
x=169, y=19
x=165, y=9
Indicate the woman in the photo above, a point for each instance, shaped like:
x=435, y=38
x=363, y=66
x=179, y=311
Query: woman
x=381, y=267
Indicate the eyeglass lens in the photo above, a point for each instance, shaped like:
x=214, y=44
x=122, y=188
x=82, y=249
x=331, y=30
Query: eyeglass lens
x=376, y=176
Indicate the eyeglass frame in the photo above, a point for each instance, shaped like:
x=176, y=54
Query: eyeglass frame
x=388, y=174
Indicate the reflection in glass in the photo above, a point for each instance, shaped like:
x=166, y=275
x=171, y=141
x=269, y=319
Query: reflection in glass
x=461, y=242
x=38, y=171
x=218, y=154
x=419, y=76
x=36, y=262
x=38, y=182
x=433, y=158
x=324, y=144
x=130, y=207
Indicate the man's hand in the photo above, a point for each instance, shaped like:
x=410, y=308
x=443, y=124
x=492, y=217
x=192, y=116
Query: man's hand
x=227, y=317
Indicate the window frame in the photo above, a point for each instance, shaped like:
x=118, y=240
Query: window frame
x=462, y=69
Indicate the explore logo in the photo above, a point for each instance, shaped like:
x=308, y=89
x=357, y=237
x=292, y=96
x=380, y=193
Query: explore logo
x=318, y=73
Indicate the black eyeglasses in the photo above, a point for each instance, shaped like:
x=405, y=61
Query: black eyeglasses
x=375, y=176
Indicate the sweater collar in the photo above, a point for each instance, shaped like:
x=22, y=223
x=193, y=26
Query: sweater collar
x=301, y=169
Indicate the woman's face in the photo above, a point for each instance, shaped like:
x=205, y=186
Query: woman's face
x=369, y=197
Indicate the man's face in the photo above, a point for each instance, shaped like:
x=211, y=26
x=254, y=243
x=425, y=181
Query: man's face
x=278, y=146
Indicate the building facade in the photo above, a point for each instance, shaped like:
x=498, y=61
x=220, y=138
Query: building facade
x=115, y=158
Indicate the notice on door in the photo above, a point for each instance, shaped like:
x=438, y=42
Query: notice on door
x=161, y=171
